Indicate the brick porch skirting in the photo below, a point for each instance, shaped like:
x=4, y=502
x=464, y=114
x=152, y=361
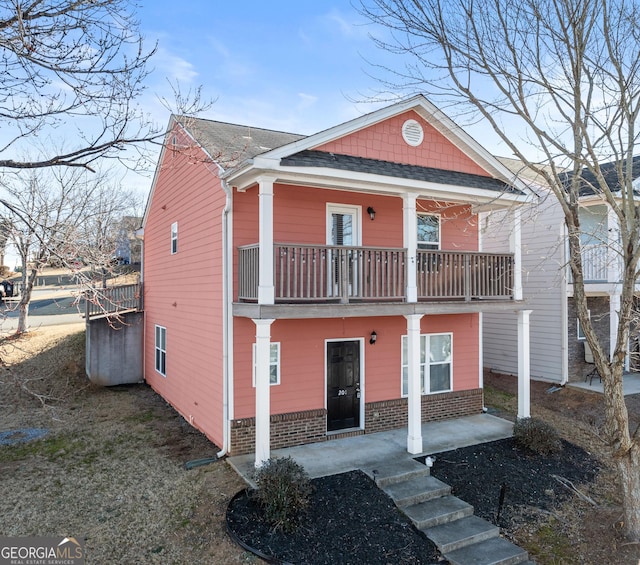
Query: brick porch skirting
x=310, y=426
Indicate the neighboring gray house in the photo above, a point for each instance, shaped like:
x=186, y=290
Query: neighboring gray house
x=128, y=247
x=557, y=343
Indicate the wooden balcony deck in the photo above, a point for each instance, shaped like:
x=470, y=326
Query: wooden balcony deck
x=343, y=274
x=114, y=300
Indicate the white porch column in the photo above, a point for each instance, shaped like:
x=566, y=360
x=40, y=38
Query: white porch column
x=263, y=392
x=524, y=372
x=266, y=289
x=614, y=319
x=515, y=247
x=414, y=401
x=410, y=231
x=614, y=261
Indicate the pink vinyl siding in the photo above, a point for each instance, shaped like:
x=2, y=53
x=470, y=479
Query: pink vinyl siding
x=384, y=141
x=183, y=291
x=302, y=350
x=300, y=216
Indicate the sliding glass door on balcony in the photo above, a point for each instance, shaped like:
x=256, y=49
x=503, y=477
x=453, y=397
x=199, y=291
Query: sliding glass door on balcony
x=343, y=232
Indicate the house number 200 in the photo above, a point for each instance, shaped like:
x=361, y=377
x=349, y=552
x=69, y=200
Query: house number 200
x=342, y=392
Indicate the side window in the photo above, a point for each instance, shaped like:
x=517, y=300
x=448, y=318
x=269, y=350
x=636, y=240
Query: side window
x=174, y=238
x=580, y=332
x=274, y=364
x=428, y=231
x=161, y=350
x=435, y=363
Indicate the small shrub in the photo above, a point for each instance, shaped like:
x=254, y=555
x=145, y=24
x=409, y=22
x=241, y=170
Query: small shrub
x=283, y=491
x=536, y=435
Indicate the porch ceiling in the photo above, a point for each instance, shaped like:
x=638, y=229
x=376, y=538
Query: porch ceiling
x=362, y=310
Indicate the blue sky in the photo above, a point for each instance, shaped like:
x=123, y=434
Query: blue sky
x=294, y=66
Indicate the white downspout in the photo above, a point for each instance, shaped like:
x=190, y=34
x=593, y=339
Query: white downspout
x=227, y=320
x=564, y=300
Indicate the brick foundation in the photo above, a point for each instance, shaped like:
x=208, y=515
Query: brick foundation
x=287, y=430
x=310, y=426
x=392, y=414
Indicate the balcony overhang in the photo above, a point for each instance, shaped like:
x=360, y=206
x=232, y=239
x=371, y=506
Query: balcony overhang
x=338, y=179
x=367, y=310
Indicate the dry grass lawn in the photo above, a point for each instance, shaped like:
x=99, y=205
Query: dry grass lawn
x=111, y=468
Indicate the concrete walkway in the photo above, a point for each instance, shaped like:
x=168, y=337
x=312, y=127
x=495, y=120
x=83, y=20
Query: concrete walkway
x=370, y=451
x=630, y=384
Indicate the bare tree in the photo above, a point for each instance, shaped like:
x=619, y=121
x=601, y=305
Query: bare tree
x=77, y=64
x=66, y=215
x=559, y=79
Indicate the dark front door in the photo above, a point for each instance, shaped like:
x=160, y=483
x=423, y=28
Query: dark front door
x=343, y=385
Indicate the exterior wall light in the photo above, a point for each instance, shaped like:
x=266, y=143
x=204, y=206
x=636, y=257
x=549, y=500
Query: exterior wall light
x=371, y=212
x=373, y=338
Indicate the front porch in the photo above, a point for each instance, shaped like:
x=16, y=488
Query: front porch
x=370, y=451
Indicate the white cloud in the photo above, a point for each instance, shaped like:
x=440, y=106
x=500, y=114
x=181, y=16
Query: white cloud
x=175, y=67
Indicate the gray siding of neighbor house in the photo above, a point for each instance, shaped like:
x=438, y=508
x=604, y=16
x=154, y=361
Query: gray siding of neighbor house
x=544, y=289
x=599, y=310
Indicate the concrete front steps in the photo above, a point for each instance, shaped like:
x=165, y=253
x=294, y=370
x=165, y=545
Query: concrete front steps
x=461, y=537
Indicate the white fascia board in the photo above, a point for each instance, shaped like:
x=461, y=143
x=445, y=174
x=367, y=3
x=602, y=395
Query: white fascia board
x=469, y=146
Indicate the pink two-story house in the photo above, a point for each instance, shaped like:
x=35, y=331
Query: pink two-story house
x=299, y=289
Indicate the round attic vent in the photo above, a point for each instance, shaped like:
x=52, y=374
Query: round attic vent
x=412, y=133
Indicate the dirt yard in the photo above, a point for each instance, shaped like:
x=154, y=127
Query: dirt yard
x=111, y=468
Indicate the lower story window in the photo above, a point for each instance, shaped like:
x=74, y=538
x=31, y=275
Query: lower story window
x=274, y=364
x=161, y=350
x=435, y=363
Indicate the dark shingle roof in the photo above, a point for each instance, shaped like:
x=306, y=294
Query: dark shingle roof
x=589, y=184
x=312, y=158
x=231, y=144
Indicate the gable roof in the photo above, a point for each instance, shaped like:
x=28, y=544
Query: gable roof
x=244, y=154
x=231, y=144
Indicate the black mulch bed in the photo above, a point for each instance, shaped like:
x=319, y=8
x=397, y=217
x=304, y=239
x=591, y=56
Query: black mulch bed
x=476, y=475
x=351, y=521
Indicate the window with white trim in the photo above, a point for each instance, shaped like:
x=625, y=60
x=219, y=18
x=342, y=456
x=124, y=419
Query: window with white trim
x=161, y=350
x=436, y=363
x=174, y=238
x=274, y=364
x=428, y=231
x=579, y=330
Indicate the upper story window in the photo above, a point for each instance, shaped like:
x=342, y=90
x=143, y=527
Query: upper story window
x=428, y=231
x=174, y=238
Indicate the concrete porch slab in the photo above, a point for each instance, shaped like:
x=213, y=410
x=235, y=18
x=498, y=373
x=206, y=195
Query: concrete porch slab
x=367, y=452
x=630, y=384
